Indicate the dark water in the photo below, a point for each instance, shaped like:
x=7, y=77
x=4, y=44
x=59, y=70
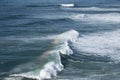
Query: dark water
x=41, y=39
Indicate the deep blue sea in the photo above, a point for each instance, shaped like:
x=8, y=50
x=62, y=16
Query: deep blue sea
x=59, y=39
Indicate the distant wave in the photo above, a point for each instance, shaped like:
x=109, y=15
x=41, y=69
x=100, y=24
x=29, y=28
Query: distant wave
x=67, y=5
x=53, y=5
x=50, y=63
x=108, y=17
x=94, y=17
x=92, y=9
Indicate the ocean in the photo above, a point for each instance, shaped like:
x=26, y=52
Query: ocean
x=59, y=39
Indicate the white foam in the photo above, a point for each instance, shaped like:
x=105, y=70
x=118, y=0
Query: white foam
x=49, y=70
x=92, y=9
x=67, y=36
x=108, y=17
x=67, y=5
x=100, y=44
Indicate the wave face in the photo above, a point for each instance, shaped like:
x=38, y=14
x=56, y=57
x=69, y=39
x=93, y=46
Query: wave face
x=49, y=63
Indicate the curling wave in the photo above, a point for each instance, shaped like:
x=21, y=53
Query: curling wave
x=49, y=64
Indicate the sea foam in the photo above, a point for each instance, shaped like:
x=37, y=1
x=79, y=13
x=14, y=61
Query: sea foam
x=107, y=17
x=67, y=5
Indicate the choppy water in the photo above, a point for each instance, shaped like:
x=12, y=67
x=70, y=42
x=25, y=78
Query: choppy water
x=60, y=40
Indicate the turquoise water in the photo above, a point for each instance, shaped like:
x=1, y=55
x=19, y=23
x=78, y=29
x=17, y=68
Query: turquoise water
x=59, y=40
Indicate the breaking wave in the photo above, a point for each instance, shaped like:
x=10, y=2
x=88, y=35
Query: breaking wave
x=91, y=9
x=110, y=17
x=48, y=65
x=91, y=18
x=105, y=44
x=67, y=5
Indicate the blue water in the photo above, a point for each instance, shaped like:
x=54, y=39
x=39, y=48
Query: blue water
x=41, y=39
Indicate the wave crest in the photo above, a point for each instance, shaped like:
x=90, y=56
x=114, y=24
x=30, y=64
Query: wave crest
x=67, y=5
x=111, y=17
x=49, y=64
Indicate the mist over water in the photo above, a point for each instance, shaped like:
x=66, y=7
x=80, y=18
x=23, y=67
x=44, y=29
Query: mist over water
x=59, y=40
